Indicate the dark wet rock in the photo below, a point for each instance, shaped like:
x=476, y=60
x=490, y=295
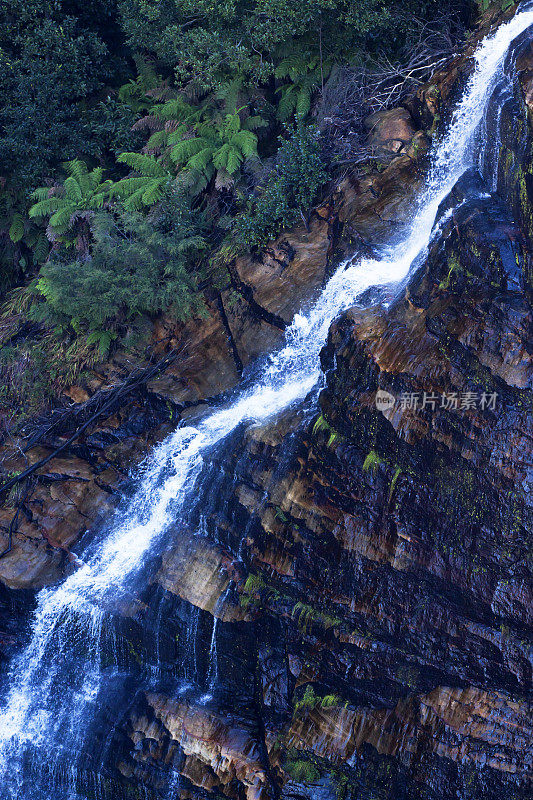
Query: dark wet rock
x=381, y=556
x=363, y=572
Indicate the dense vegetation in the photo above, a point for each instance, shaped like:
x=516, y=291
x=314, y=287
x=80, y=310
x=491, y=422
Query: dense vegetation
x=143, y=142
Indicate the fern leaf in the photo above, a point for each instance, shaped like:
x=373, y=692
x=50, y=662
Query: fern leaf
x=255, y=122
x=287, y=102
x=73, y=189
x=42, y=193
x=229, y=93
x=184, y=150
x=173, y=109
x=246, y=141
x=295, y=64
x=134, y=201
x=76, y=168
x=96, y=177
x=232, y=125
x=41, y=249
x=154, y=192
x=128, y=186
x=303, y=103
x=60, y=220
x=157, y=140
x=45, y=207
x=201, y=159
x=16, y=229
x=228, y=158
x=177, y=135
x=146, y=165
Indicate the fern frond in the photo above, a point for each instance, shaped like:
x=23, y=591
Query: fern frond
x=177, y=135
x=173, y=109
x=228, y=158
x=45, y=207
x=294, y=66
x=73, y=190
x=96, y=177
x=303, y=103
x=42, y=193
x=76, y=168
x=16, y=229
x=186, y=148
x=229, y=93
x=60, y=220
x=201, y=159
x=157, y=140
x=287, y=103
x=134, y=201
x=246, y=141
x=41, y=249
x=128, y=186
x=232, y=125
x=254, y=122
x=154, y=192
x=146, y=165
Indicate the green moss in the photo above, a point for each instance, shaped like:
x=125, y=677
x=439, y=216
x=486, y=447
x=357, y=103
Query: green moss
x=394, y=481
x=307, y=615
x=280, y=515
x=322, y=424
x=372, y=461
x=300, y=769
x=310, y=700
x=454, y=266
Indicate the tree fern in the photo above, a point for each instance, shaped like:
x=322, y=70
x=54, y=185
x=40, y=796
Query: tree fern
x=65, y=205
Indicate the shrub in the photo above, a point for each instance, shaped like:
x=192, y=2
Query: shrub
x=310, y=700
x=138, y=265
x=291, y=189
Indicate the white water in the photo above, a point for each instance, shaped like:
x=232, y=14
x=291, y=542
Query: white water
x=36, y=712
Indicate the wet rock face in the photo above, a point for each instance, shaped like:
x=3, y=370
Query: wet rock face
x=79, y=490
x=346, y=612
x=373, y=562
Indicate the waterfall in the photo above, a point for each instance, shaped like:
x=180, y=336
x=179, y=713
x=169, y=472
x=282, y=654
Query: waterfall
x=56, y=682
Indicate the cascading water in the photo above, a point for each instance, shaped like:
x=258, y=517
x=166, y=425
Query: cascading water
x=59, y=679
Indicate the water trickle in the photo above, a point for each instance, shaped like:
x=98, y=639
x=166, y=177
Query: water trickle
x=190, y=662
x=212, y=671
x=55, y=683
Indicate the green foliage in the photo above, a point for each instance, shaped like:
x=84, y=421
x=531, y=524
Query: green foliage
x=306, y=73
x=151, y=183
x=54, y=57
x=219, y=148
x=322, y=424
x=137, y=266
x=394, y=481
x=502, y=5
x=310, y=700
x=256, y=590
x=212, y=42
x=306, y=616
x=32, y=371
x=46, y=70
x=300, y=769
x=291, y=189
x=371, y=462
x=69, y=206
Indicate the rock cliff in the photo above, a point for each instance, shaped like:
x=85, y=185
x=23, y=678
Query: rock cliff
x=355, y=619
